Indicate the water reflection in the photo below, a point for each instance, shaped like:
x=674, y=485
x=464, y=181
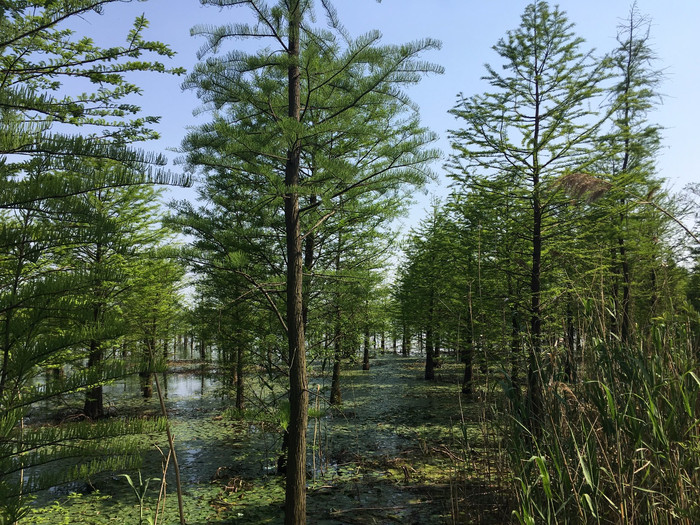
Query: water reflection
x=175, y=385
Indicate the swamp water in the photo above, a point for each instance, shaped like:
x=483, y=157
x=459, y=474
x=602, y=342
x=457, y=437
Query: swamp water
x=383, y=459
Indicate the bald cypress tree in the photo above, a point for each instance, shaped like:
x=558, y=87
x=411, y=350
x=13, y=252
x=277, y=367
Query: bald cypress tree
x=536, y=123
x=277, y=116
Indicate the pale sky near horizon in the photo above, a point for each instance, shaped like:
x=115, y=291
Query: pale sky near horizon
x=468, y=29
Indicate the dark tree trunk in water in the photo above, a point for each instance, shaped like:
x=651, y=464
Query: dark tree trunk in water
x=282, y=459
x=94, y=402
x=336, y=396
x=146, y=381
x=405, y=342
x=429, y=355
x=365, y=353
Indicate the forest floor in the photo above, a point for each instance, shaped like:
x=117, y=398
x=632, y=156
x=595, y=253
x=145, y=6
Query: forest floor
x=401, y=450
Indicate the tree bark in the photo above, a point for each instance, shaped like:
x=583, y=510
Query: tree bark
x=240, y=384
x=336, y=395
x=429, y=342
x=295, y=491
x=365, y=352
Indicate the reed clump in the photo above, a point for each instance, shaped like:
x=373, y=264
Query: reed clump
x=620, y=446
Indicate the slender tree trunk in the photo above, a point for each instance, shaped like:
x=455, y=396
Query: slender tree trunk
x=295, y=491
x=533, y=371
x=534, y=394
x=429, y=344
x=616, y=313
x=514, y=345
x=308, y=266
x=240, y=384
x=94, y=402
x=436, y=349
x=405, y=341
x=336, y=395
x=365, y=353
x=429, y=354
x=570, y=360
x=468, y=378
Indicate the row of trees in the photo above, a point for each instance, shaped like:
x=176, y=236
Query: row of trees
x=307, y=158
x=556, y=237
x=559, y=261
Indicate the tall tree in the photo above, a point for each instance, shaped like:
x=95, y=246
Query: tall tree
x=633, y=144
x=535, y=125
x=276, y=116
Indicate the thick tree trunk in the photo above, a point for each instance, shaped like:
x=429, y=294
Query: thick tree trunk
x=94, y=401
x=146, y=381
x=295, y=491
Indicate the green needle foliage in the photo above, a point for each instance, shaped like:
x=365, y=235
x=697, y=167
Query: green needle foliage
x=299, y=131
x=67, y=129
x=535, y=124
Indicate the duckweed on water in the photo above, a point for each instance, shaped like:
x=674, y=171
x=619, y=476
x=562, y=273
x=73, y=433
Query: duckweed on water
x=387, y=456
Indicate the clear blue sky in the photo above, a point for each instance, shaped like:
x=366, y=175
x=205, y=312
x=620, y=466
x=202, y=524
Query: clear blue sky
x=468, y=29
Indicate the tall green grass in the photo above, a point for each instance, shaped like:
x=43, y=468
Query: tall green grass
x=621, y=446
